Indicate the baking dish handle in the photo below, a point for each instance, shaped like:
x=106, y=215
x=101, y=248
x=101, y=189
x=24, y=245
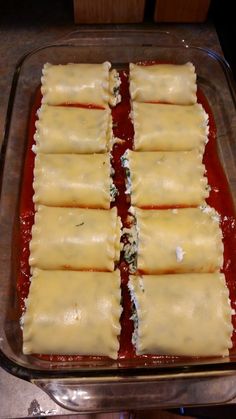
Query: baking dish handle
x=142, y=37
x=120, y=394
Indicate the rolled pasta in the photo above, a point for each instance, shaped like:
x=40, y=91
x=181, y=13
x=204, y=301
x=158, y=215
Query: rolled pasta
x=169, y=127
x=71, y=180
x=75, y=238
x=176, y=241
x=168, y=83
x=73, y=313
x=186, y=315
x=79, y=83
x=62, y=130
x=167, y=178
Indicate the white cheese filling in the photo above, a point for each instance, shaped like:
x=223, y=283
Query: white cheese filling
x=131, y=247
x=134, y=317
x=215, y=216
x=113, y=191
x=125, y=164
x=115, y=83
x=179, y=253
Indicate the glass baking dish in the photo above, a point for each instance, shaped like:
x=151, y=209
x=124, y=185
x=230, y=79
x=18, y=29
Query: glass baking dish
x=104, y=384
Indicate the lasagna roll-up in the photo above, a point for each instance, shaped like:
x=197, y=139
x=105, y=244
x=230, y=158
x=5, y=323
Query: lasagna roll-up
x=160, y=127
x=168, y=83
x=167, y=178
x=176, y=241
x=185, y=314
x=82, y=180
x=62, y=130
x=73, y=313
x=80, y=84
x=75, y=238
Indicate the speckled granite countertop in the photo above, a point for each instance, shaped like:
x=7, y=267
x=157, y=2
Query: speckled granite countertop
x=19, y=398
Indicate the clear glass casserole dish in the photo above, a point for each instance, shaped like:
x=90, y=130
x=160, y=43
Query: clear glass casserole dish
x=104, y=384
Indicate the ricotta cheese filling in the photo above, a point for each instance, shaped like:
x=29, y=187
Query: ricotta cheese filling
x=115, y=83
x=113, y=191
x=134, y=317
x=179, y=253
x=185, y=323
x=125, y=164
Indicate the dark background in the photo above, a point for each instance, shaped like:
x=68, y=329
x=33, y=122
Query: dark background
x=223, y=16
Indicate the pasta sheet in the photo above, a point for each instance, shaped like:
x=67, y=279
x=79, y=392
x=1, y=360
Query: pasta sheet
x=169, y=127
x=167, y=83
x=70, y=313
x=62, y=129
x=75, y=238
x=178, y=241
x=80, y=83
x=72, y=180
x=188, y=314
x=167, y=178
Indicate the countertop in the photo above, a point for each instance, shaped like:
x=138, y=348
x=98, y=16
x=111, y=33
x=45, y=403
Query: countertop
x=17, y=397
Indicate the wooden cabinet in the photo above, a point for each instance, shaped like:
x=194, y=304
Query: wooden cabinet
x=108, y=11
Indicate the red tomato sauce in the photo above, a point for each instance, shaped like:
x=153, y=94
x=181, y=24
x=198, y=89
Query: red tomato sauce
x=220, y=198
